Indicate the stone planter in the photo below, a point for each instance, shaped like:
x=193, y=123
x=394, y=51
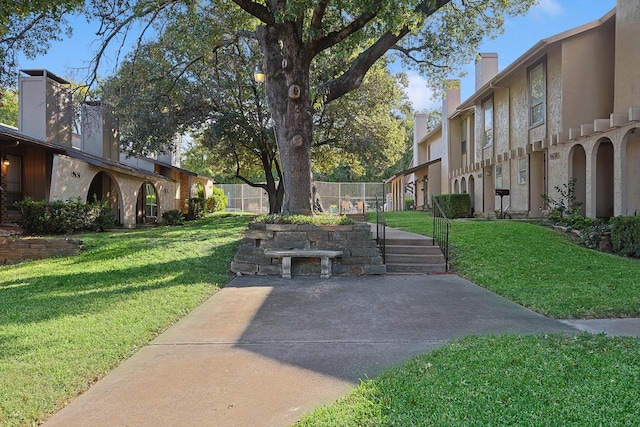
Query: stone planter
x=17, y=249
x=361, y=255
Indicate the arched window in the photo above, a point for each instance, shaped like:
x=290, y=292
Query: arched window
x=151, y=200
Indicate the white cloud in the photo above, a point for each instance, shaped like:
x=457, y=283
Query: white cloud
x=547, y=8
x=419, y=94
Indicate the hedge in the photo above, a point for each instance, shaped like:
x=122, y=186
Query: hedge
x=455, y=205
x=625, y=235
x=60, y=217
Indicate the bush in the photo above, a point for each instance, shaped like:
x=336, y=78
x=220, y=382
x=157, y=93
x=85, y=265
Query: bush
x=217, y=202
x=172, y=217
x=455, y=205
x=625, y=235
x=565, y=207
x=316, y=219
x=408, y=204
x=60, y=217
x=196, y=208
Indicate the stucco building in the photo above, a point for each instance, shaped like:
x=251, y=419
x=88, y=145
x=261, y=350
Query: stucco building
x=566, y=109
x=44, y=160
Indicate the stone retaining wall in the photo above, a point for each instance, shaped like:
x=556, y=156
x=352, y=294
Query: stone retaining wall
x=13, y=250
x=361, y=255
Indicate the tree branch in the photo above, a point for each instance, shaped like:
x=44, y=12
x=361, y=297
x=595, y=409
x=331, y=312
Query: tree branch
x=318, y=14
x=11, y=40
x=408, y=53
x=256, y=10
x=316, y=46
x=352, y=78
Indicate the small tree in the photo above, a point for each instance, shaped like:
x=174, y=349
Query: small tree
x=565, y=206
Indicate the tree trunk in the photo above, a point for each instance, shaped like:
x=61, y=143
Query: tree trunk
x=286, y=66
x=275, y=192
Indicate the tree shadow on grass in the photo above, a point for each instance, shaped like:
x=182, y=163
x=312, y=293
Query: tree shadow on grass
x=70, y=293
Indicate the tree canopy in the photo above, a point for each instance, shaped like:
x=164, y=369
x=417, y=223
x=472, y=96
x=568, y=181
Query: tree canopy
x=315, y=51
x=28, y=27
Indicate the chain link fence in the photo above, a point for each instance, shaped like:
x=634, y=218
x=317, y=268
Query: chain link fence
x=334, y=197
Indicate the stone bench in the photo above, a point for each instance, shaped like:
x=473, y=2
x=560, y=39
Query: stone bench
x=286, y=255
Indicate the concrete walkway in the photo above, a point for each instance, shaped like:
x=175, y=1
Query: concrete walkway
x=264, y=350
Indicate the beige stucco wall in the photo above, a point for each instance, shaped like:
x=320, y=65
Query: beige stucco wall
x=627, y=56
x=587, y=77
x=72, y=177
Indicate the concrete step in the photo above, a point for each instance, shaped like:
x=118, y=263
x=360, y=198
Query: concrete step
x=415, y=268
x=408, y=249
x=357, y=217
x=427, y=241
x=417, y=256
x=416, y=259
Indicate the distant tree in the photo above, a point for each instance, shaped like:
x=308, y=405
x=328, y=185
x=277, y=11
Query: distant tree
x=9, y=107
x=357, y=137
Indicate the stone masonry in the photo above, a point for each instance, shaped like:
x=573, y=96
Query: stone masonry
x=14, y=250
x=361, y=255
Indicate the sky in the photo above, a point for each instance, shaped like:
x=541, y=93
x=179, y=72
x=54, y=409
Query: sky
x=549, y=17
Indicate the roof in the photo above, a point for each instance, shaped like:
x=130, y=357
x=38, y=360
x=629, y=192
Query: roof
x=45, y=73
x=530, y=54
x=11, y=133
x=413, y=169
x=433, y=132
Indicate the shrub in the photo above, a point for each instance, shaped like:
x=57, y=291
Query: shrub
x=565, y=206
x=217, y=202
x=318, y=219
x=60, y=217
x=100, y=216
x=172, y=217
x=455, y=205
x=408, y=204
x=625, y=235
x=196, y=208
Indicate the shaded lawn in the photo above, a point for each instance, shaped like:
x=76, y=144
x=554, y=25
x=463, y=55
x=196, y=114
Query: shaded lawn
x=65, y=322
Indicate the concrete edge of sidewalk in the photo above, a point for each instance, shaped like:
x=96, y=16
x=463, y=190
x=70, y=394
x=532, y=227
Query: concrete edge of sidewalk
x=629, y=327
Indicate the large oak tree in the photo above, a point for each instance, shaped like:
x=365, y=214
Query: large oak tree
x=296, y=36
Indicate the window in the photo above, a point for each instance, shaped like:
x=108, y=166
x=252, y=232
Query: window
x=498, y=176
x=522, y=171
x=14, y=181
x=537, y=89
x=487, y=108
x=463, y=185
x=151, y=201
x=463, y=135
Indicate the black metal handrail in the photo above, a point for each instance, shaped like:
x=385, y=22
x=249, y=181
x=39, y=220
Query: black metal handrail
x=381, y=229
x=441, y=226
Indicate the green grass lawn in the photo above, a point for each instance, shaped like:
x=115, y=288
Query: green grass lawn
x=556, y=380
x=533, y=380
x=65, y=322
x=537, y=267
